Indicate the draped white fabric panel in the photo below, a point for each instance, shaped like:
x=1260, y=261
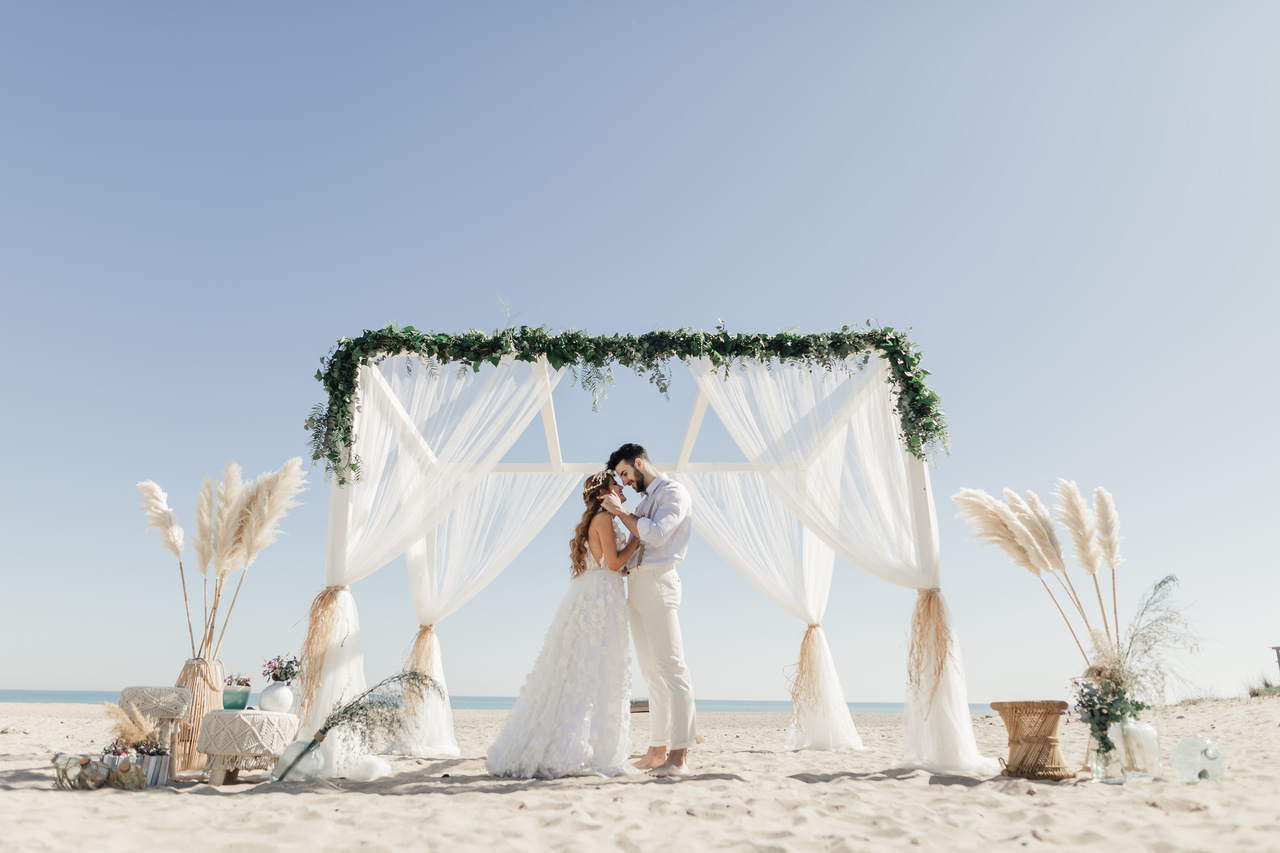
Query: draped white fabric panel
x=828, y=444
x=426, y=434
x=460, y=557
x=746, y=522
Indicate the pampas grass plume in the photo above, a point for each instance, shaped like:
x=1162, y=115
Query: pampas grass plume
x=1045, y=541
x=160, y=518
x=203, y=543
x=273, y=498
x=1109, y=537
x=231, y=495
x=1076, y=517
x=1046, y=532
x=984, y=512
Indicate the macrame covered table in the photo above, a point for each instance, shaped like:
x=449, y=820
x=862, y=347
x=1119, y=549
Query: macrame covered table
x=167, y=706
x=243, y=740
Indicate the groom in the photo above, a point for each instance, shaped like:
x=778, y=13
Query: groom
x=662, y=522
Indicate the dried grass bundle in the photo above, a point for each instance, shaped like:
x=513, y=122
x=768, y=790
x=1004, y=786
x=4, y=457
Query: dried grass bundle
x=324, y=615
x=930, y=642
x=234, y=522
x=130, y=726
x=1001, y=525
x=262, y=505
x=1081, y=522
x=804, y=677
x=1035, y=517
x=1023, y=528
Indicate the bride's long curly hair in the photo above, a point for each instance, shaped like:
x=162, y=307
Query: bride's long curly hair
x=593, y=494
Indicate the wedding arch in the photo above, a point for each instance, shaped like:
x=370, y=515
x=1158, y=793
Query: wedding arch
x=836, y=429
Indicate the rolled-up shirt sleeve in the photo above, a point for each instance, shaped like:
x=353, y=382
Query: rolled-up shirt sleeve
x=673, y=508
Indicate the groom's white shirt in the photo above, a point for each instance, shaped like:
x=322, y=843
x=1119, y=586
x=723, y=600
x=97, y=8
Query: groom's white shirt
x=665, y=521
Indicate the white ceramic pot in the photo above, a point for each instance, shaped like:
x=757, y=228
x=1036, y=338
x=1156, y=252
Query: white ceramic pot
x=276, y=696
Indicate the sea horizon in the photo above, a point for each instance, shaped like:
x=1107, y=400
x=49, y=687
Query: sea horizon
x=476, y=703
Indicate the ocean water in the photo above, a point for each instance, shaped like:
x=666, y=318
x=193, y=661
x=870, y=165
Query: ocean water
x=474, y=703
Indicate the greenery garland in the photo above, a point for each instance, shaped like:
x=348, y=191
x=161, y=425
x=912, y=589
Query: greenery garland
x=592, y=359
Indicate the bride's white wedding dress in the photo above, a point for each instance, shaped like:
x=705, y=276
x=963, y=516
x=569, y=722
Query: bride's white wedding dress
x=573, y=715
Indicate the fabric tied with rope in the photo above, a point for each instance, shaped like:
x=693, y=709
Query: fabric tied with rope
x=805, y=686
x=820, y=719
x=420, y=659
x=428, y=719
x=930, y=645
x=325, y=611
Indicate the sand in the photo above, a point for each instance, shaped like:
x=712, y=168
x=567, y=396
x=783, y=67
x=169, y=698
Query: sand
x=748, y=793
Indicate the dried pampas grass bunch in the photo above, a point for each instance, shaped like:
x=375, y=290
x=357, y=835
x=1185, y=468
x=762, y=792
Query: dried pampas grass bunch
x=1022, y=527
x=235, y=521
x=129, y=726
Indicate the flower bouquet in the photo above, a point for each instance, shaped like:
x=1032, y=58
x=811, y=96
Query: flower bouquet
x=235, y=692
x=279, y=672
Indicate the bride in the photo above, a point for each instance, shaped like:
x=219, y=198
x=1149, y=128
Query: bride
x=573, y=715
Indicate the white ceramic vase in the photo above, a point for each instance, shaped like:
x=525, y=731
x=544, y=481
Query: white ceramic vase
x=276, y=696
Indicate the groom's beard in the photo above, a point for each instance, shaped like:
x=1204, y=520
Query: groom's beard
x=642, y=482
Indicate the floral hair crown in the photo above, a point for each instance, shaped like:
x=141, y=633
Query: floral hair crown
x=595, y=483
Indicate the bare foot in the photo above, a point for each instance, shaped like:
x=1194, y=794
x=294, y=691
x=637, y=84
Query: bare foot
x=655, y=757
x=671, y=769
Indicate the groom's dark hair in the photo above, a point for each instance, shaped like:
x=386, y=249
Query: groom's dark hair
x=628, y=453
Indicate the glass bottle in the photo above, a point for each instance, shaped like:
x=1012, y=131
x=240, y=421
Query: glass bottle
x=1142, y=749
x=1196, y=758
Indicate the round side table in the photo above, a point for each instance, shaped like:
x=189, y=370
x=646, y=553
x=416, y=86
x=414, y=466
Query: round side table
x=243, y=740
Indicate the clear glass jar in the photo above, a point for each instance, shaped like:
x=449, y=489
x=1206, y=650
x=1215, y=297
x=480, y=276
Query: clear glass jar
x=1141, y=749
x=1108, y=766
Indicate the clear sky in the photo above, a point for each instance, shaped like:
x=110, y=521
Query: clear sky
x=1073, y=207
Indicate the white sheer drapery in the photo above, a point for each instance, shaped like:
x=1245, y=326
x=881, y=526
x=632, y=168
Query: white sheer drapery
x=459, y=557
x=426, y=434
x=828, y=444
x=746, y=522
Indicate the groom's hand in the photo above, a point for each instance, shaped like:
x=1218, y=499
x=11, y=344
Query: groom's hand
x=613, y=505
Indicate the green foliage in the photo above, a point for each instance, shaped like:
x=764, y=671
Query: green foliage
x=593, y=358
x=1101, y=704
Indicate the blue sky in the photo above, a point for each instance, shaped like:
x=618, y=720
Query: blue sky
x=1073, y=208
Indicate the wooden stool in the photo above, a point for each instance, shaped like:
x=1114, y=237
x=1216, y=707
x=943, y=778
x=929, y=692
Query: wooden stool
x=243, y=740
x=1033, y=739
x=167, y=706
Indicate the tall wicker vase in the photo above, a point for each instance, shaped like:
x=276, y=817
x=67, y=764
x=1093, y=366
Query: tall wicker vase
x=204, y=680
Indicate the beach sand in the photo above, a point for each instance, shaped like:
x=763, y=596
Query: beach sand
x=748, y=793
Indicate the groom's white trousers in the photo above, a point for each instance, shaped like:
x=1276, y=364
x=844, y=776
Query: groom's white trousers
x=653, y=594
